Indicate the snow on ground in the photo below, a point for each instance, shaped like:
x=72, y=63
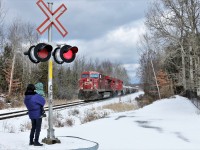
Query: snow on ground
x=167, y=124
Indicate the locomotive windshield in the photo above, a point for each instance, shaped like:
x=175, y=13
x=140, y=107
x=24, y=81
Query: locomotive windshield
x=94, y=75
x=84, y=75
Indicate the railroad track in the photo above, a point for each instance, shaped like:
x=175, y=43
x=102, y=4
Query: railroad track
x=25, y=112
x=20, y=113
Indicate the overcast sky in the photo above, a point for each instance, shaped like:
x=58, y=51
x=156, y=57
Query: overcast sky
x=104, y=29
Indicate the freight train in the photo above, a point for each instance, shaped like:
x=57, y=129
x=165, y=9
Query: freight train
x=94, y=85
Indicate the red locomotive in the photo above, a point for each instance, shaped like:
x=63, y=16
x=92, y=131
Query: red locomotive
x=94, y=85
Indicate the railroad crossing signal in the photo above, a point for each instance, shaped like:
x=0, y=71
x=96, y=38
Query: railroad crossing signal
x=63, y=54
x=52, y=18
x=42, y=52
x=66, y=54
x=39, y=53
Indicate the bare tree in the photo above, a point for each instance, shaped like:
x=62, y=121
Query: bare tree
x=166, y=27
x=174, y=24
x=19, y=35
x=2, y=16
x=30, y=35
x=149, y=66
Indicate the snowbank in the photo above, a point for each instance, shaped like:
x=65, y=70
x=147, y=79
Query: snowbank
x=168, y=124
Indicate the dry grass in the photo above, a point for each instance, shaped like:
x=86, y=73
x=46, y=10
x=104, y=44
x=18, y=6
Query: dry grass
x=58, y=102
x=102, y=112
x=55, y=102
x=17, y=103
x=144, y=100
x=69, y=122
x=57, y=119
x=25, y=126
x=74, y=112
x=120, y=107
x=92, y=114
x=11, y=102
x=2, y=105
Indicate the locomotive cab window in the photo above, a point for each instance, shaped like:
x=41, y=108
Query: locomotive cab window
x=94, y=75
x=84, y=75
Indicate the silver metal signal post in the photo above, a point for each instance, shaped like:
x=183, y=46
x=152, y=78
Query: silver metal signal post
x=50, y=131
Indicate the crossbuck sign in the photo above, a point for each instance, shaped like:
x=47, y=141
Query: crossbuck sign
x=52, y=18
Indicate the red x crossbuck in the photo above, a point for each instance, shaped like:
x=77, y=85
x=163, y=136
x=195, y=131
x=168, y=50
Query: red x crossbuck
x=52, y=18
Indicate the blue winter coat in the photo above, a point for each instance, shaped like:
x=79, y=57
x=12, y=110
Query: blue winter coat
x=34, y=102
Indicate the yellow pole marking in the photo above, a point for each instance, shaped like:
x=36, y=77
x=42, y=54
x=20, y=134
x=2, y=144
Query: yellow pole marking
x=50, y=69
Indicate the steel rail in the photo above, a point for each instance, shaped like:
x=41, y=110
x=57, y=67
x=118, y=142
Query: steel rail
x=46, y=107
x=20, y=113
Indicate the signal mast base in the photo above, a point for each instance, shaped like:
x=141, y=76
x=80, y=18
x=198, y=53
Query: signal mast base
x=50, y=141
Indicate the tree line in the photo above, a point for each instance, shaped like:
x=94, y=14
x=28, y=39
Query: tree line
x=171, y=45
x=17, y=71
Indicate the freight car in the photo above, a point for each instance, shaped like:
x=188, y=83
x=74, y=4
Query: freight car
x=129, y=89
x=94, y=85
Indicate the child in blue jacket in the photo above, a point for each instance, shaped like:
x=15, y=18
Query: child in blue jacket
x=39, y=89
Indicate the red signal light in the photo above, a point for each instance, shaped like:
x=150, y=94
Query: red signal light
x=39, y=53
x=68, y=55
x=43, y=53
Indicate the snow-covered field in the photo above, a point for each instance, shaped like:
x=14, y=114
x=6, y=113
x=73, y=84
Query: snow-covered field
x=167, y=124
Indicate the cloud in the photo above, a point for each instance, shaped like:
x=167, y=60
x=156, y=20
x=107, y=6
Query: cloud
x=127, y=34
x=119, y=45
